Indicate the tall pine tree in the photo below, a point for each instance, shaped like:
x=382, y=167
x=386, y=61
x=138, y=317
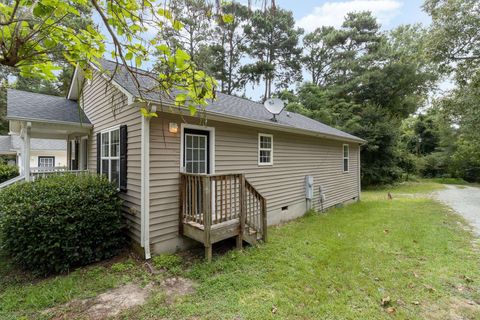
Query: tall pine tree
x=223, y=57
x=273, y=46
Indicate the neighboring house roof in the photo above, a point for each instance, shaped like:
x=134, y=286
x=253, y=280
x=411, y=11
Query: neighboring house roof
x=13, y=143
x=46, y=108
x=226, y=105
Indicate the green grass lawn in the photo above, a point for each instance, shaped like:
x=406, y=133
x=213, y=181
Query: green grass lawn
x=337, y=265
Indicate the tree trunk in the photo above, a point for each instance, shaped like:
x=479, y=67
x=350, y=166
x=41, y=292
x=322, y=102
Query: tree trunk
x=230, y=62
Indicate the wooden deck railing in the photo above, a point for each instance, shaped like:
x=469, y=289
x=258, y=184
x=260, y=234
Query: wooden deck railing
x=209, y=202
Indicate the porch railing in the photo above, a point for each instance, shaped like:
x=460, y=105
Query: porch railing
x=11, y=181
x=42, y=172
x=208, y=201
x=36, y=173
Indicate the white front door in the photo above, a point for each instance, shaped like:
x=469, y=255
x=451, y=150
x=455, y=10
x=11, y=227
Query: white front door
x=196, y=151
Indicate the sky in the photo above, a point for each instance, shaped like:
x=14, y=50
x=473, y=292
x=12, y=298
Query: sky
x=311, y=14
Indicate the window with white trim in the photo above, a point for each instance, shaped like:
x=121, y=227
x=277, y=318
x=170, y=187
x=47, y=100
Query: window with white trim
x=346, y=157
x=265, y=149
x=46, y=162
x=110, y=155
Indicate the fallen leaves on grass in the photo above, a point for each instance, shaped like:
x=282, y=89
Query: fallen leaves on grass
x=385, y=301
x=390, y=310
x=429, y=288
x=466, y=278
x=274, y=309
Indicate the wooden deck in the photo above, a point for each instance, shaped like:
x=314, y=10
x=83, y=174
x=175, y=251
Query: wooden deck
x=216, y=207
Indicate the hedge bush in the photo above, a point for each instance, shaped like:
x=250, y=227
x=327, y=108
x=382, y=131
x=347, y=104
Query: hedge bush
x=7, y=172
x=60, y=222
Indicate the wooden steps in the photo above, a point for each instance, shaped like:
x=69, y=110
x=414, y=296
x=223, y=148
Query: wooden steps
x=216, y=207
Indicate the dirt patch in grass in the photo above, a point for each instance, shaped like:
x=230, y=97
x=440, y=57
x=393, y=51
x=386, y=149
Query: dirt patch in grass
x=107, y=304
x=454, y=309
x=175, y=287
x=112, y=302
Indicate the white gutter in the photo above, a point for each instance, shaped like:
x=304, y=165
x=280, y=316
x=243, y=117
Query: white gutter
x=259, y=123
x=278, y=127
x=145, y=186
x=73, y=124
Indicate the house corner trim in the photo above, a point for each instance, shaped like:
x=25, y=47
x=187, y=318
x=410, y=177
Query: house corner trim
x=145, y=186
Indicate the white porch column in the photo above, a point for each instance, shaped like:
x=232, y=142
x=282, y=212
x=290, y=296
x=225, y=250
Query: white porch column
x=82, y=154
x=26, y=151
x=69, y=154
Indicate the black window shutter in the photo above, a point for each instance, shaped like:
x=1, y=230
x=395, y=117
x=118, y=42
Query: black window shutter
x=99, y=147
x=123, y=157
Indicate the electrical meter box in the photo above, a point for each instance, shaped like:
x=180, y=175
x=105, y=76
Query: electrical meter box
x=309, y=187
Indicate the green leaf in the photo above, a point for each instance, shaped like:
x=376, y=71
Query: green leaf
x=177, y=25
x=138, y=61
x=228, y=18
x=148, y=114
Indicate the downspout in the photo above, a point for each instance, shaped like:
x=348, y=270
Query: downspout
x=359, y=172
x=145, y=185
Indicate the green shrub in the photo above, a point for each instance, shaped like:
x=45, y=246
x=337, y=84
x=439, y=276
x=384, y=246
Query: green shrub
x=168, y=262
x=56, y=223
x=434, y=165
x=7, y=172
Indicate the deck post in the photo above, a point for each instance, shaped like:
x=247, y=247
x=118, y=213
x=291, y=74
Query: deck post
x=207, y=215
x=242, y=212
x=264, y=220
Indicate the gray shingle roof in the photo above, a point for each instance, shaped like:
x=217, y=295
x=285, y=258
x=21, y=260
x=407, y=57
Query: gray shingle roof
x=14, y=143
x=40, y=144
x=5, y=144
x=224, y=104
x=36, y=106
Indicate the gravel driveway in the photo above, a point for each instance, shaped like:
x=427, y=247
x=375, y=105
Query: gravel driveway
x=464, y=200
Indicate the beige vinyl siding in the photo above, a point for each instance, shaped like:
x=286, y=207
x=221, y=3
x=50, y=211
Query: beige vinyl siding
x=236, y=150
x=106, y=107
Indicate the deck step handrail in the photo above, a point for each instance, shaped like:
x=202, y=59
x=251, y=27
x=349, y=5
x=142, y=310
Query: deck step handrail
x=256, y=211
x=210, y=200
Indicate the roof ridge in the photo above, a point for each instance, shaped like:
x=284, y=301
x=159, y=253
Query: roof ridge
x=238, y=97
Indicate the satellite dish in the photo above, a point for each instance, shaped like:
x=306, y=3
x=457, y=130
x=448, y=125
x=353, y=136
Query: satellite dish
x=274, y=106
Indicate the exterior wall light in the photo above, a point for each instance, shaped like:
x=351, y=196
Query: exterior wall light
x=172, y=127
